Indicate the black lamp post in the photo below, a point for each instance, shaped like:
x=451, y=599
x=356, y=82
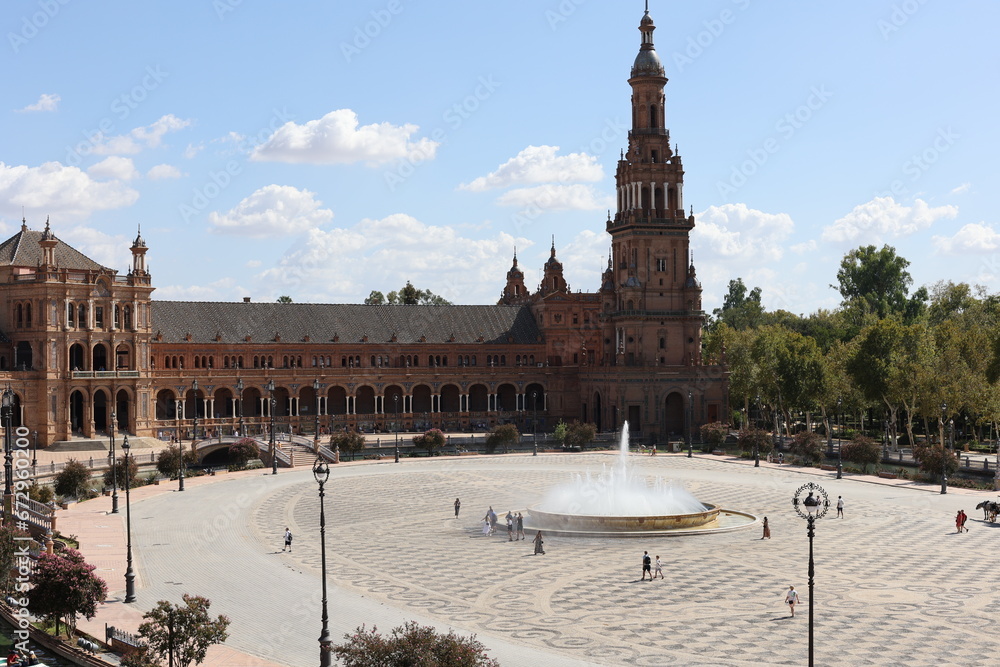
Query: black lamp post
x=321, y=471
x=129, y=572
x=840, y=458
x=7, y=410
x=239, y=389
x=815, y=506
x=395, y=400
x=316, y=391
x=689, y=415
x=534, y=429
x=114, y=467
x=274, y=445
x=34, y=453
x=944, y=452
x=182, y=464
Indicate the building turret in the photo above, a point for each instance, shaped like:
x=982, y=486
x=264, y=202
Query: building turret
x=514, y=292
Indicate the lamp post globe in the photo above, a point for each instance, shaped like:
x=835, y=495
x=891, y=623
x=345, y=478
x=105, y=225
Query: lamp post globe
x=395, y=400
x=944, y=451
x=114, y=466
x=321, y=472
x=129, y=571
x=813, y=507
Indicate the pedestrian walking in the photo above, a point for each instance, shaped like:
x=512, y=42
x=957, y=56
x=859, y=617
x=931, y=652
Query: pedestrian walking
x=288, y=540
x=646, y=563
x=791, y=599
x=510, y=527
x=965, y=517
x=781, y=458
x=539, y=543
x=486, y=527
x=840, y=507
x=458, y=506
x=767, y=530
x=658, y=570
x=520, y=526
x=958, y=521
x=653, y=452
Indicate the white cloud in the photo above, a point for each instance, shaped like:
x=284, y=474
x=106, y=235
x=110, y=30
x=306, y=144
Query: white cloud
x=163, y=171
x=557, y=198
x=224, y=289
x=961, y=189
x=336, y=138
x=735, y=232
x=105, y=249
x=114, y=168
x=47, y=102
x=970, y=239
x=344, y=265
x=273, y=211
x=193, y=149
x=804, y=247
x=883, y=218
x=57, y=190
x=539, y=164
x=149, y=136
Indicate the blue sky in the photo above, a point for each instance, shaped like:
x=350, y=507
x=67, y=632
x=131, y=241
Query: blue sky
x=323, y=150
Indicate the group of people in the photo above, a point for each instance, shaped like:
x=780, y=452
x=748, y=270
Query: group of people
x=960, y=520
x=15, y=659
x=647, y=567
x=515, y=524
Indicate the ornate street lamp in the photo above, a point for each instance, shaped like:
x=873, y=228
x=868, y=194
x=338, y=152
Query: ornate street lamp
x=944, y=452
x=534, y=429
x=239, y=388
x=7, y=412
x=316, y=391
x=182, y=464
x=840, y=458
x=395, y=400
x=688, y=416
x=815, y=506
x=274, y=445
x=129, y=572
x=114, y=466
x=321, y=471
x=34, y=454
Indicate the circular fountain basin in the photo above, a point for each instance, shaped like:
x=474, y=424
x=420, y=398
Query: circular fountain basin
x=713, y=519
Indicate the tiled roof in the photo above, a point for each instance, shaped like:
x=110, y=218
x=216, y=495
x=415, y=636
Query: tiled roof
x=348, y=323
x=22, y=249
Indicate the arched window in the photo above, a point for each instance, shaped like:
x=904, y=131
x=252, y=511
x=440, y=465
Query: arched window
x=503, y=359
x=118, y=316
x=663, y=343
x=128, y=317
x=19, y=315
x=653, y=124
x=27, y=314
x=81, y=317
x=70, y=315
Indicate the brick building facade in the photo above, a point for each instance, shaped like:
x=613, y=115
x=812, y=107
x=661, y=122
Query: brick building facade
x=82, y=343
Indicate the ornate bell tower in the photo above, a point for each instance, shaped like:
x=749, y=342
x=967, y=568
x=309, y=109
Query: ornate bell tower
x=656, y=318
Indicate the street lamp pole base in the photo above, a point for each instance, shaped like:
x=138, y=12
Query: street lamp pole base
x=129, y=585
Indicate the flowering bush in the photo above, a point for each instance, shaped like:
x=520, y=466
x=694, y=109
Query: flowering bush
x=430, y=440
x=65, y=586
x=411, y=644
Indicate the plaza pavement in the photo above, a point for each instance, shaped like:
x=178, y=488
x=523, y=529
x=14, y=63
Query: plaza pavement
x=894, y=583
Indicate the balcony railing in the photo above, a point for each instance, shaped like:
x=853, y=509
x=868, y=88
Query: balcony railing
x=78, y=375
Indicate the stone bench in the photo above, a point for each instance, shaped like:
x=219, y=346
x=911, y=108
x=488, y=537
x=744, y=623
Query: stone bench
x=888, y=475
x=827, y=466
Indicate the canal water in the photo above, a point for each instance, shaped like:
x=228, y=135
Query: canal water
x=46, y=658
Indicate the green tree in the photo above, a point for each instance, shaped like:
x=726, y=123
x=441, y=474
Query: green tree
x=64, y=586
x=181, y=634
x=502, y=437
x=740, y=309
x=559, y=433
x=750, y=436
x=431, y=440
x=411, y=644
x=168, y=461
x=862, y=450
x=11, y=540
x=73, y=480
x=807, y=448
x=284, y=299
x=348, y=441
x=714, y=434
x=935, y=458
x=375, y=298
x=119, y=472
x=243, y=450
x=579, y=434
x=877, y=280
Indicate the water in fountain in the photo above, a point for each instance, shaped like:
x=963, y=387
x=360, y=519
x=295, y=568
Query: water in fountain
x=620, y=491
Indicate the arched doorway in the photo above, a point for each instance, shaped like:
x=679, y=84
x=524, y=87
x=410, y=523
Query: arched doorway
x=166, y=405
x=450, y=400
x=478, y=398
x=507, y=399
x=101, y=412
x=100, y=358
x=122, y=411
x=76, y=357
x=421, y=399
x=337, y=401
x=76, y=412
x=122, y=357
x=673, y=416
x=25, y=359
x=598, y=412
x=365, y=398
